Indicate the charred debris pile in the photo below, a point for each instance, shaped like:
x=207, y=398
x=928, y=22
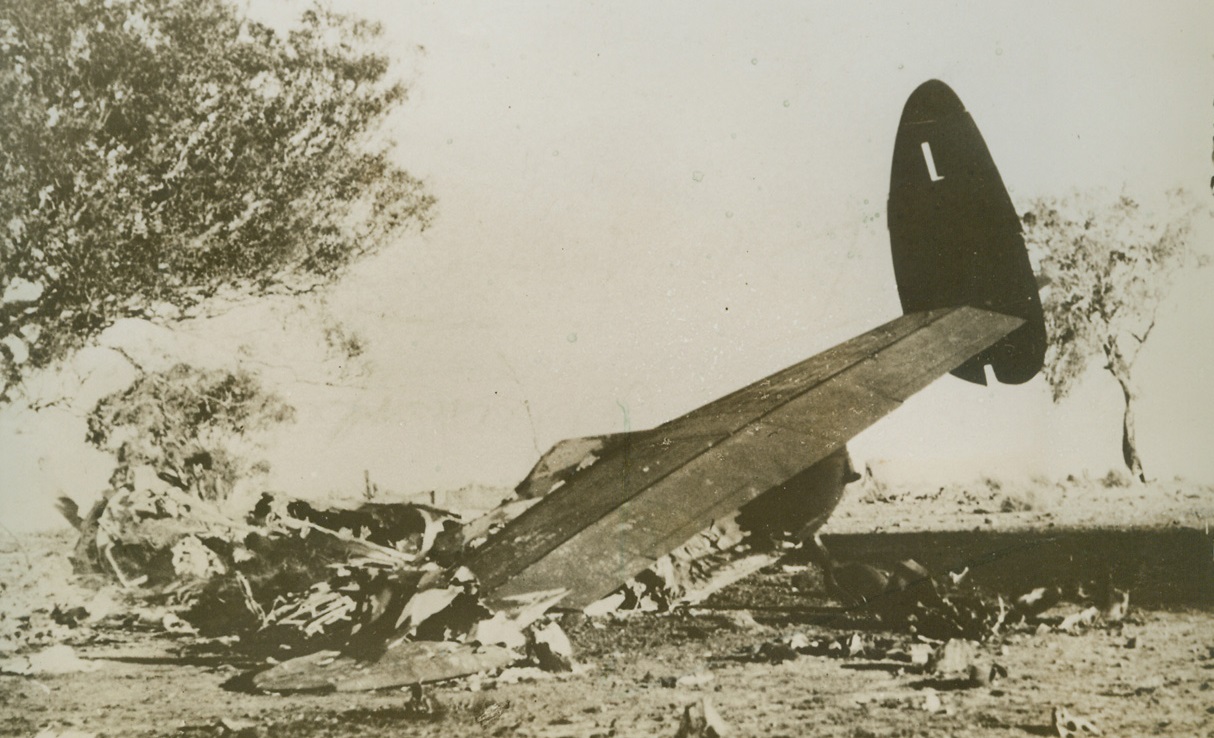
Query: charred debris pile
x=377, y=595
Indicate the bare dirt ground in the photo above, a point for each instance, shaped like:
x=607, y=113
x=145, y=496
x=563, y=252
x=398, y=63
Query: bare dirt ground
x=1149, y=674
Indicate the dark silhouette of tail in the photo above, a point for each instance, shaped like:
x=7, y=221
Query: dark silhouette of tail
x=954, y=234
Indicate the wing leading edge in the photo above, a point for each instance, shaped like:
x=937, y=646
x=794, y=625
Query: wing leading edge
x=652, y=490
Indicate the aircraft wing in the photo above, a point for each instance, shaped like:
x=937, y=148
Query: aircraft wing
x=652, y=490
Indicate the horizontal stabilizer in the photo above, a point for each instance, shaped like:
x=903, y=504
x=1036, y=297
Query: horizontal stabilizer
x=651, y=491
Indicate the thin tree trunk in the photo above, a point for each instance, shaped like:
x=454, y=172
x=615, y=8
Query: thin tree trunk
x=1129, y=444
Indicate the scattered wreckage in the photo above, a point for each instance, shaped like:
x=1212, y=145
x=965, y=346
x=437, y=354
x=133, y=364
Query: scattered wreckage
x=391, y=595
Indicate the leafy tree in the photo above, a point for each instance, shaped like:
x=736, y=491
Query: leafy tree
x=186, y=425
x=1109, y=266
x=159, y=153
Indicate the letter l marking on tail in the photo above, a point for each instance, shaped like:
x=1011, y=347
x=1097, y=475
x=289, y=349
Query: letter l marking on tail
x=931, y=163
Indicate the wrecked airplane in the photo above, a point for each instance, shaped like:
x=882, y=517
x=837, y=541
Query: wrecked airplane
x=764, y=466
x=770, y=460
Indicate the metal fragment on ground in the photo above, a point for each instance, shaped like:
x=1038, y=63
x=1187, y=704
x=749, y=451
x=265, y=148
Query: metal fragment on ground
x=404, y=663
x=701, y=720
x=1070, y=726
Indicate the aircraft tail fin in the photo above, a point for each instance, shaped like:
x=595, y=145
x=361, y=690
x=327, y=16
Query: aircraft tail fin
x=954, y=234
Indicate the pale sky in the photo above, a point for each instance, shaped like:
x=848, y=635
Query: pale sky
x=644, y=206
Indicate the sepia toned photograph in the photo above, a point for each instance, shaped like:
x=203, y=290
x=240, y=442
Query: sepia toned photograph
x=606, y=369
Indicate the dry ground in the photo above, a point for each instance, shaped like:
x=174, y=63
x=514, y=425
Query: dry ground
x=1150, y=675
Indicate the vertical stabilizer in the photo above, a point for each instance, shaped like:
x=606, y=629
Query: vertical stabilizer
x=954, y=234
